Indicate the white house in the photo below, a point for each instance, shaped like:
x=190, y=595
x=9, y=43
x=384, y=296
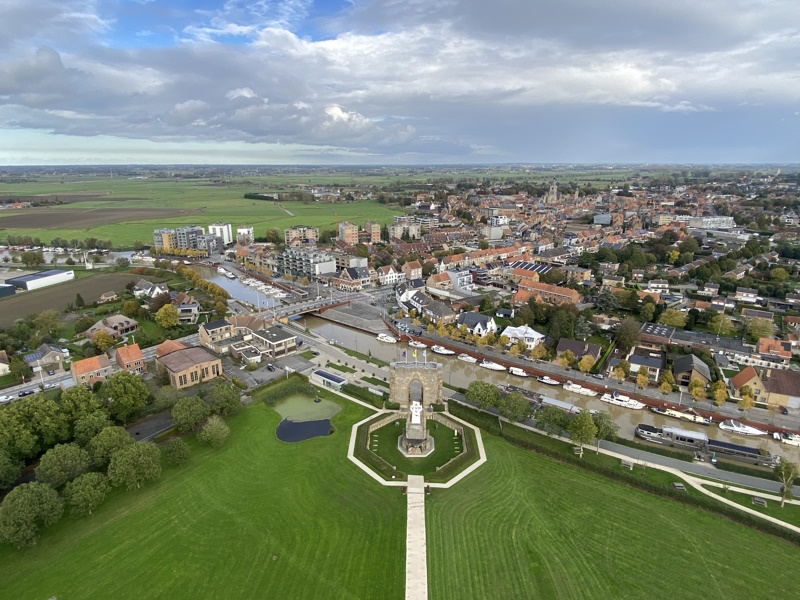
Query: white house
x=388, y=275
x=147, y=289
x=477, y=324
x=531, y=337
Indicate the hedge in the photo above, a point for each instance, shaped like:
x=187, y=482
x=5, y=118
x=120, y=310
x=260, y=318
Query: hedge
x=363, y=394
x=677, y=455
x=724, y=465
x=278, y=389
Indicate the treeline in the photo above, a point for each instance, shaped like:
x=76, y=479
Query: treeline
x=88, y=243
x=83, y=449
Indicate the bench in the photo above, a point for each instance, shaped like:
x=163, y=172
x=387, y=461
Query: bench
x=679, y=486
x=758, y=501
x=626, y=464
x=576, y=450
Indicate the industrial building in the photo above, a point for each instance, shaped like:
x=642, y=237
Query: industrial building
x=34, y=281
x=6, y=290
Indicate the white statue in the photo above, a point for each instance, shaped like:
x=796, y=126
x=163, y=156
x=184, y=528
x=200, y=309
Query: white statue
x=416, y=412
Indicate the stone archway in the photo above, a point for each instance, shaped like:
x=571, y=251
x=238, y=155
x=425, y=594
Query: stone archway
x=428, y=375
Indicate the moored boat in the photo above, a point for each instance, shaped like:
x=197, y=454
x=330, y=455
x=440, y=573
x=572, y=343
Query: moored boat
x=684, y=415
x=384, y=337
x=577, y=389
x=467, y=358
x=488, y=364
x=623, y=401
x=517, y=371
x=416, y=344
x=547, y=380
x=442, y=350
x=740, y=428
x=787, y=438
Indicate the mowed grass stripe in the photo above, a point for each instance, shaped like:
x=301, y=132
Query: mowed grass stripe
x=525, y=526
x=211, y=529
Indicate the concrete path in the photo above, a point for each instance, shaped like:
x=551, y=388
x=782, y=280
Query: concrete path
x=416, y=548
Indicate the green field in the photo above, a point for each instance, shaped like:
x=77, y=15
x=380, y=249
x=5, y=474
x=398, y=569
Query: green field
x=151, y=203
x=383, y=442
x=524, y=526
x=212, y=528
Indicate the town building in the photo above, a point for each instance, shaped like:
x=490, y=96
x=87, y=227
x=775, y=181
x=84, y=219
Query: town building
x=189, y=366
x=305, y=262
x=40, y=279
x=115, y=326
x=245, y=235
x=688, y=367
x=188, y=308
x=477, y=324
x=224, y=231
x=348, y=233
x=189, y=237
x=373, y=231
x=89, y=370
x=129, y=358
x=300, y=234
x=165, y=240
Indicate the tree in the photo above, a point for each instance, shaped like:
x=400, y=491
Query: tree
x=562, y=325
x=582, y=329
x=746, y=401
x=108, y=442
x=786, y=472
x=48, y=322
x=26, y=509
x=582, y=429
x=130, y=308
x=79, y=301
x=125, y=394
x=62, y=463
x=214, y=432
x=10, y=469
x=606, y=428
x=223, y=398
x=567, y=359
x=697, y=389
x=134, y=465
x=642, y=379
x=83, y=324
x=32, y=259
x=220, y=309
x=482, y=394
x=102, y=340
x=188, y=413
x=88, y=426
x=779, y=274
x=165, y=398
x=628, y=332
x=647, y=311
x=159, y=302
x=723, y=325
x=177, y=452
x=673, y=257
x=85, y=493
x=586, y=363
x=760, y=328
x=18, y=369
x=167, y=316
x=551, y=420
x=77, y=402
x=538, y=352
x=606, y=301
x=672, y=318
x=514, y=407
x=621, y=370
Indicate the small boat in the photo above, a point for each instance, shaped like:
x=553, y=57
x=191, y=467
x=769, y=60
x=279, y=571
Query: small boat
x=467, y=358
x=740, y=428
x=442, y=350
x=230, y=275
x=488, y=364
x=222, y=270
x=686, y=415
x=787, y=438
x=577, y=389
x=416, y=344
x=517, y=371
x=623, y=401
x=383, y=337
x=547, y=380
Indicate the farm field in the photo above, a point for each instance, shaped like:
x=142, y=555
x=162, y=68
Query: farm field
x=125, y=211
x=525, y=526
x=255, y=519
x=57, y=297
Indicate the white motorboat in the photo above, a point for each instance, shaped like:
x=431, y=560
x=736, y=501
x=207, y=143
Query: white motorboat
x=442, y=350
x=547, y=380
x=740, y=428
x=517, y=371
x=787, y=438
x=623, y=401
x=222, y=270
x=488, y=364
x=577, y=389
x=684, y=415
x=416, y=344
x=467, y=358
x=383, y=337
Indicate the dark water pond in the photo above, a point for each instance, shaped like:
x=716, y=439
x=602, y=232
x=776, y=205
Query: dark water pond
x=291, y=431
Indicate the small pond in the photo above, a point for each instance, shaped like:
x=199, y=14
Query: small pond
x=297, y=431
x=304, y=418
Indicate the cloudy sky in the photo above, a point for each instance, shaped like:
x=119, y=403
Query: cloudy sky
x=399, y=81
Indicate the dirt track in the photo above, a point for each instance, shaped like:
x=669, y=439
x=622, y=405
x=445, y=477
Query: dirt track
x=84, y=218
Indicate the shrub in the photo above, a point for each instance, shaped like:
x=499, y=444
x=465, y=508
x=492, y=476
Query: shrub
x=177, y=452
x=214, y=432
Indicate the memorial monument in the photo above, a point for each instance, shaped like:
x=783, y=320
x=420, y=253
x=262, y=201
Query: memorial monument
x=415, y=386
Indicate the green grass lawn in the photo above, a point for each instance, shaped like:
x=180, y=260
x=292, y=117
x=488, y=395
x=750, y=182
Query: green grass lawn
x=308, y=354
x=375, y=381
x=789, y=513
x=7, y=380
x=525, y=526
x=341, y=368
x=212, y=528
x=384, y=443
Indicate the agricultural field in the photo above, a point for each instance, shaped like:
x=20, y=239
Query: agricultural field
x=57, y=297
x=124, y=211
x=256, y=519
x=525, y=526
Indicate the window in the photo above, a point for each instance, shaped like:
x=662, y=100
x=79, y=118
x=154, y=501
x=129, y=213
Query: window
x=194, y=376
x=182, y=380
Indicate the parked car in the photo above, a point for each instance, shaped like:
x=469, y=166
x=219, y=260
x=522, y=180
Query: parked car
x=24, y=393
x=270, y=367
x=598, y=376
x=51, y=372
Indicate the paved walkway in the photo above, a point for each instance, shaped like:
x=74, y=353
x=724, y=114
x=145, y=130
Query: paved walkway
x=416, y=542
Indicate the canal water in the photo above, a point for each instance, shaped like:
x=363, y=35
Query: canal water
x=236, y=288
x=459, y=374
